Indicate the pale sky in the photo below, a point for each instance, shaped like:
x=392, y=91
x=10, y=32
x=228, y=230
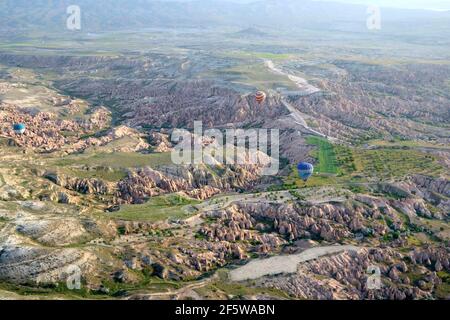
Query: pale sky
x=409, y=4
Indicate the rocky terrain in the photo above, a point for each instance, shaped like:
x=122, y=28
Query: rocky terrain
x=67, y=206
x=344, y=276
x=352, y=104
x=174, y=103
x=45, y=133
x=90, y=192
x=122, y=250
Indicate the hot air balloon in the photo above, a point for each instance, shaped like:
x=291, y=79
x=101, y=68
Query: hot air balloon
x=260, y=97
x=305, y=170
x=19, y=128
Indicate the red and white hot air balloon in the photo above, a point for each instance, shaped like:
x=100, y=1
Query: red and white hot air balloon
x=260, y=97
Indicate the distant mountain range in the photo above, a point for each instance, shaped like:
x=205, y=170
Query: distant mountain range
x=439, y=5
x=104, y=15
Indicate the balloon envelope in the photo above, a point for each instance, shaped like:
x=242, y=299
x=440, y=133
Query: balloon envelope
x=305, y=170
x=19, y=128
x=260, y=97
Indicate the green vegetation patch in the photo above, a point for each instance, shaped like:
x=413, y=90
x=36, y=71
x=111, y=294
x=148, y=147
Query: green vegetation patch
x=399, y=143
x=381, y=163
x=355, y=166
x=158, y=208
x=443, y=290
x=249, y=289
x=112, y=175
x=117, y=160
x=386, y=163
x=259, y=76
x=326, y=155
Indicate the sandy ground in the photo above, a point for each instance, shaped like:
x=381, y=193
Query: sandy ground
x=283, y=263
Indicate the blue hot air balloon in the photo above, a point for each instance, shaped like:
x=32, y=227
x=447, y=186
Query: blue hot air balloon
x=305, y=170
x=19, y=128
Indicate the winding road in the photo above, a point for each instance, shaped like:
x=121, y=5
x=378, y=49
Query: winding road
x=302, y=84
x=306, y=89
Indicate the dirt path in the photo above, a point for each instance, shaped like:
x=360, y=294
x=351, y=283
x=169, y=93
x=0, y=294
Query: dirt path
x=300, y=120
x=314, y=195
x=192, y=286
x=284, y=263
x=306, y=89
x=301, y=83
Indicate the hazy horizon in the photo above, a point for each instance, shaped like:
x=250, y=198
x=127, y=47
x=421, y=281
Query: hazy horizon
x=404, y=4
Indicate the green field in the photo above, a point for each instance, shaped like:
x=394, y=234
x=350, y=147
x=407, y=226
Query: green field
x=393, y=163
x=259, y=76
x=326, y=156
x=408, y=144
x=116, y=160
x=242, y=289
x=158, y=209
x=340, y=164
x=111, y=175
x=381, y=163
